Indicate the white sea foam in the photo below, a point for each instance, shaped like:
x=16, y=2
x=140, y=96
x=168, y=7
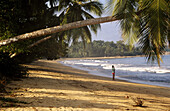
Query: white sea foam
x=144, y=69
x=124, y=67
x=89, y=64
x=131, y=69
x=127, y=67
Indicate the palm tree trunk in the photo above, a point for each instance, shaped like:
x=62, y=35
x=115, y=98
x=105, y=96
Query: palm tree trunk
x=55, y=29
x=34, y=44
x=39, y=41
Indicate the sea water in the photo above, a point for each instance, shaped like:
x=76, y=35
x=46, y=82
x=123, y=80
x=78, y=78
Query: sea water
x=135, y=69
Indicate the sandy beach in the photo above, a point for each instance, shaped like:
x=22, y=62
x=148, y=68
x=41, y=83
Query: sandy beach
x=52, y=86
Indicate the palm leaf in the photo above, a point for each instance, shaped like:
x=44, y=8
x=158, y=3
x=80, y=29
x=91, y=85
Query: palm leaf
x=77, y=11
x=130, y=23
x=94, y=7
x=155, y=24
x=146, y=20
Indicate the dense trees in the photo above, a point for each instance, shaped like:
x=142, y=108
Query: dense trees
x=18, y=17
x=102, y=49
x=33, y=15
x=22, y=16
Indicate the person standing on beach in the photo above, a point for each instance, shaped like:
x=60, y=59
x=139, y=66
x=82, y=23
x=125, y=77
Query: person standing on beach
x=113, y=72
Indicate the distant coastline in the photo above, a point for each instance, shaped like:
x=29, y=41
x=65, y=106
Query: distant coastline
x=112, y=57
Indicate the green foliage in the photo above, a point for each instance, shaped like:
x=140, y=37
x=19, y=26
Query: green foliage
x=10, y=68
x=23, y=16
x=50, y=49
x=145, y=22
x=101, y=49
x=78, y=10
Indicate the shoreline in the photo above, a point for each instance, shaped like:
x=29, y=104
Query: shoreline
x=53, y=86
x=118, y=78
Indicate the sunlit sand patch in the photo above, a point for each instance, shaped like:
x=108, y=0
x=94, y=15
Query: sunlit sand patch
x=60, y=88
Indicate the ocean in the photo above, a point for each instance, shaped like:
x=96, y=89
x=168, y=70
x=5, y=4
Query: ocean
x=135, y=69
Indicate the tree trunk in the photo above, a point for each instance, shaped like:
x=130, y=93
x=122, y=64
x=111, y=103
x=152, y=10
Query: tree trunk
x=34, y=44
x=39, y=41
x=55, y=29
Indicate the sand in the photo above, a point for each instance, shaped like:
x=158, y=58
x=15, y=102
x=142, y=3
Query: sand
x=52, y=86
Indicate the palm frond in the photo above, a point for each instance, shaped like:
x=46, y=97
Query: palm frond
x=77, y=11
x=146, y=20
x=87, y=34
x=63, y=4
x=155, y=24
x=94, y=7
x=86, y=15
x=93, y=28
x=130, y=23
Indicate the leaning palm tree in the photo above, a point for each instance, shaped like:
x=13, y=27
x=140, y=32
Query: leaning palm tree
x=55, y=29
x=144, y=20
x=70, y=11
x=79, y=10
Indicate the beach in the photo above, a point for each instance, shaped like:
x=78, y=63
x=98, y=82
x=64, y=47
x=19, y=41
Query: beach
x=129, y=68
x=51, y=86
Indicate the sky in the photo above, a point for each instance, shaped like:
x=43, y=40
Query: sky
x=109, y=31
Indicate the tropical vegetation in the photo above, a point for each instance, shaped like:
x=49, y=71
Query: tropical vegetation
x=145, y=22
x=21, y=16
x=102, y=49
x=33, y=29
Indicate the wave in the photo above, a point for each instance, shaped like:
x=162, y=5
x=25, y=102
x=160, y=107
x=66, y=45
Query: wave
x=130, y=69
x=124, y=67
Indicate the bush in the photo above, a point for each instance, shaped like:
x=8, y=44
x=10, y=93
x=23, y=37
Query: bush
x=10, y=68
